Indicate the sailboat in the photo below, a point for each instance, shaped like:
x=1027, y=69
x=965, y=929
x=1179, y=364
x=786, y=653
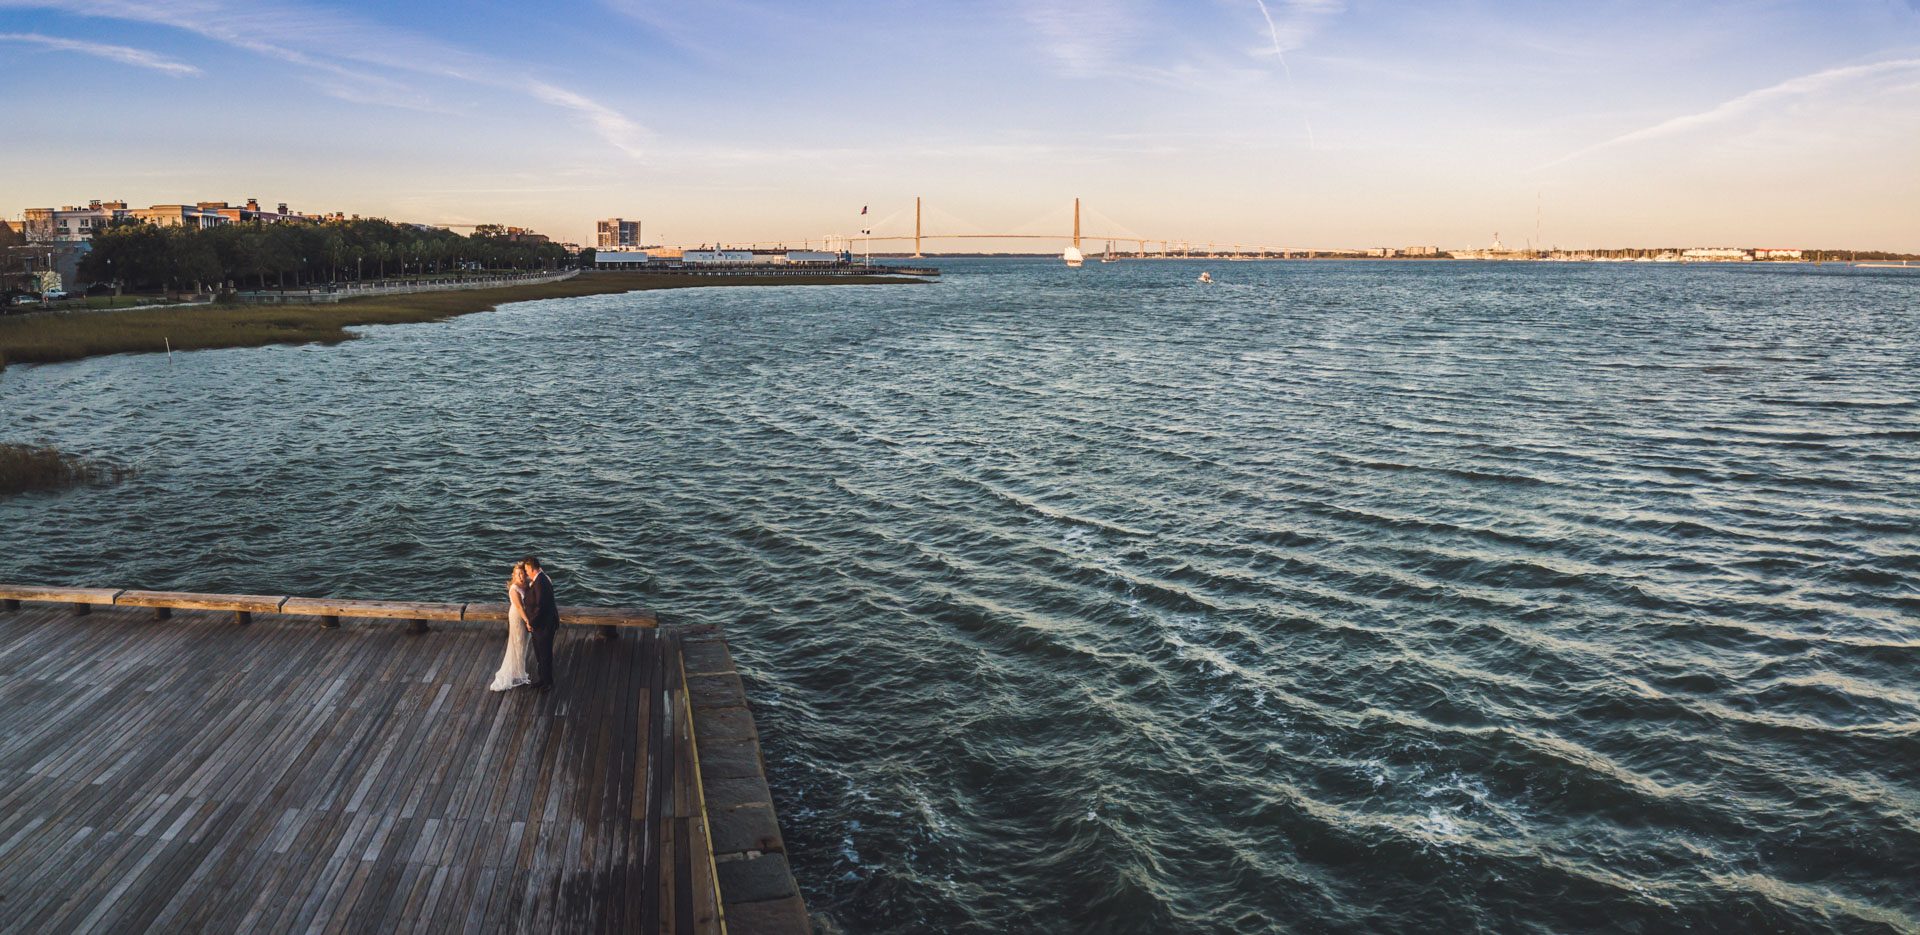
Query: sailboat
x=1072, y=254
x=1108, y=256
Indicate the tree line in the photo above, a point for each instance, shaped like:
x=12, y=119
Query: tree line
x=137, y=255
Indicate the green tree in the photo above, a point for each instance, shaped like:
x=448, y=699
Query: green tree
x=190, y=258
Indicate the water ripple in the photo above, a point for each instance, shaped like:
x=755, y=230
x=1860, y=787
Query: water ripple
x=1334, y=598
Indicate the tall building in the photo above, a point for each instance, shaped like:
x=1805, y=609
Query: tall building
x=614, y=232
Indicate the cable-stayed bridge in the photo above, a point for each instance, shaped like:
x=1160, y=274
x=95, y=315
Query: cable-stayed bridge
x=1121, y=243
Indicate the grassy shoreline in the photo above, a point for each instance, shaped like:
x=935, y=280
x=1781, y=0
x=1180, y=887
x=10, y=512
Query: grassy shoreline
x=51, y=339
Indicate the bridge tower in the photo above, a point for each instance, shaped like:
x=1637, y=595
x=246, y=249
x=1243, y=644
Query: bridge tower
x=1076, y=224
x=916, y=226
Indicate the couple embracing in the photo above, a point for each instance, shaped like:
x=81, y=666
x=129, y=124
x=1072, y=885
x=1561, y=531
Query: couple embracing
x=532, y=619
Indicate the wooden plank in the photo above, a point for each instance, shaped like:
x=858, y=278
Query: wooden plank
x=683, y=797
x=199, y=778
x=23, y=592
x=638, y=845
x=571, y=616
x=182, y=600
x=659, y=755
x=607, y=616
x=704, y=898
x=392, y=610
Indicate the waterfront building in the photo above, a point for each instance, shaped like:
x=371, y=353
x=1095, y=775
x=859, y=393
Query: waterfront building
x=617, y=232
x=1776, y=253
x=1721, y=254
x=72, y=224
x=666, y=256
x=1421, y=251
x=717, y=256
x=178, y=216
x=620, y=259
x=23, y=266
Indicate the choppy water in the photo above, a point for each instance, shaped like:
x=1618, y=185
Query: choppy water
x=1328, y=598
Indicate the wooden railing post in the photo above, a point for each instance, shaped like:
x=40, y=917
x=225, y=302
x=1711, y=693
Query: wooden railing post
x=420, y=625
x=242, y=617
x=81, y=610
x=10, y=605
x=329, y=623
x=162, y=613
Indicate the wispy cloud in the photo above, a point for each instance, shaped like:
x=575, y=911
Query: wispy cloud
x=613, y=126
x=125, y=55
x=1748, y=103
x=338, y=48
x=1085, y=37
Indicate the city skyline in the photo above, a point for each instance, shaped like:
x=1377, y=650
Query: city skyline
x=1313, y=122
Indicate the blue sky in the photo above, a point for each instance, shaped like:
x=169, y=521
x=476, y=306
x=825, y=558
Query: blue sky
x=1308, y=123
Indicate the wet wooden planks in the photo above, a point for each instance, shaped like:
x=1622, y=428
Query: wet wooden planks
x=189, y=775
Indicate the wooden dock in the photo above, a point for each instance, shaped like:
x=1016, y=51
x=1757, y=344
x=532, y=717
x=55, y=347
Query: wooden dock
x=223, y=763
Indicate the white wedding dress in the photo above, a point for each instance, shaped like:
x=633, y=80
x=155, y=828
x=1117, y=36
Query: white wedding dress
x=513, y=669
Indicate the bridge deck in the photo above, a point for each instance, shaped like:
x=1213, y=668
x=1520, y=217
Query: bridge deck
x=194, y=775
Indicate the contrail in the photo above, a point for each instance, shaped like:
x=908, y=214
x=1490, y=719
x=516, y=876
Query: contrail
x=1273, y=35
x=1745, y=103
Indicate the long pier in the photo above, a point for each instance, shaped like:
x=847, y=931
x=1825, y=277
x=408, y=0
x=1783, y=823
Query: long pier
x=177, y=762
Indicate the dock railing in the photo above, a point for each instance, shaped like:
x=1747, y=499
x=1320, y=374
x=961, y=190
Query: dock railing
x=329, y=610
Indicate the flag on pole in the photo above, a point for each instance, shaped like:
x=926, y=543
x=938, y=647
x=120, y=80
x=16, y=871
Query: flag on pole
x=863, y=209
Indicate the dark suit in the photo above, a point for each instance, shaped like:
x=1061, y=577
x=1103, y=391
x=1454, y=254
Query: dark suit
x=544, y=617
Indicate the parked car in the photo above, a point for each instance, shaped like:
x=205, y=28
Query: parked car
x=25, y=299
x=55, y=294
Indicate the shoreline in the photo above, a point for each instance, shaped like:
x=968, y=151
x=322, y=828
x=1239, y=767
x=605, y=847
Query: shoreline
x=61, y=338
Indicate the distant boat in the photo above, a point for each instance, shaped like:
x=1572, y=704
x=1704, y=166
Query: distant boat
x=1498, y=251
x=1206, y=277
x=1108, y=256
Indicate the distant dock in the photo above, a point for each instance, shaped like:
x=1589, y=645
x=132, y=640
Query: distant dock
x=233, y=763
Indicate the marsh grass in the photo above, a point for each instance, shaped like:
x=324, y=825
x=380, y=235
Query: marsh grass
x=51, y=338
x=39, y=467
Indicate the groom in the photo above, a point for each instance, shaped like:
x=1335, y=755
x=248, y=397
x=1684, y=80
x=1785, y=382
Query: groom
x=543, y=619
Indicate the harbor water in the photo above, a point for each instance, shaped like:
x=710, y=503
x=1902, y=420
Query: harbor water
x=1326, y=597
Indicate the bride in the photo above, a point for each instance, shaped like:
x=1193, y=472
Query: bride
x=513, y=669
